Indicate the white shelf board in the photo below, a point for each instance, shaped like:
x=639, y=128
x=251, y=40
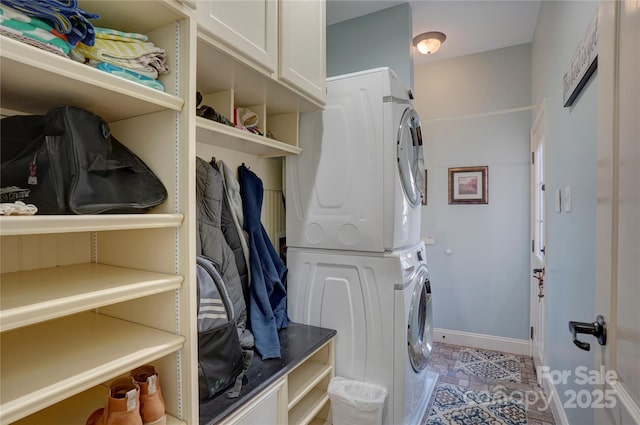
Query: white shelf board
x=137, y=16
x=36, y=81
x=214, y=133
x=303, y=378
x=52, y=361
x=34, y=296
x=75, y=410
x=308, y=407
x=40, y=224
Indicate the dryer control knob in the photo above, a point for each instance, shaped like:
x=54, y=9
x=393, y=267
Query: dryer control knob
x=419, y=254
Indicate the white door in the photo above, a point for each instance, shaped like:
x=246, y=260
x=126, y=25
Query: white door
x=618, y=213
x=538, y=238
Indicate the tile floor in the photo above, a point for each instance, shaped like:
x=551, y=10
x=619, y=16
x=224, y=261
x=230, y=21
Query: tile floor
x=472, y=383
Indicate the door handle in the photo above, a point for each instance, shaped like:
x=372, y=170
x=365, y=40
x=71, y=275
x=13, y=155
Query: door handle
x=539, y=274
x=597, y=329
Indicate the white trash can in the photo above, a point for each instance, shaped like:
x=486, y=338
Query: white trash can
x=356, y=402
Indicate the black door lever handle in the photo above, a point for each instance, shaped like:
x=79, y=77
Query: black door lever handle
x=597, y=329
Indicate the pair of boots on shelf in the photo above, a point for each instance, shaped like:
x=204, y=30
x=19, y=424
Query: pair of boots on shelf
x=134, y=400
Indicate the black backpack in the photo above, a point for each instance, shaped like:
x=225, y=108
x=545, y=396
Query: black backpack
x=221, y=360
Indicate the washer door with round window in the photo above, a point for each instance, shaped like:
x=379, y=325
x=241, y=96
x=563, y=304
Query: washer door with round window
x=420, y=326
x=411, y=157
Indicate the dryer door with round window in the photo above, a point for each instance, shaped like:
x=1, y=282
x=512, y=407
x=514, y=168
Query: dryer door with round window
x=411, y=157
x=420, y=326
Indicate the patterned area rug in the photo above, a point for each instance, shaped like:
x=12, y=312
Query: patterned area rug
x=491, y=365
x=453, y=405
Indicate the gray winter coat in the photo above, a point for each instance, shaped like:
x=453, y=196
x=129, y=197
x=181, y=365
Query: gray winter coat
x=232, y=219
x=212, y=244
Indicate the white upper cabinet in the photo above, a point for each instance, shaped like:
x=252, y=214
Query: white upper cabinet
x=283, y=39
x=302, y=46
x=248, y=27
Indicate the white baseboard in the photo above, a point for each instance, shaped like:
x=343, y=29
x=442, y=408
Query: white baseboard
x=559, y=416
x=486, y=342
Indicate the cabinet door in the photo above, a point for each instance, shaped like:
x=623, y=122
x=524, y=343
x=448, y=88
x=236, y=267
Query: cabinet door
x=302, y=46
x=268, y=407
x=248, y=27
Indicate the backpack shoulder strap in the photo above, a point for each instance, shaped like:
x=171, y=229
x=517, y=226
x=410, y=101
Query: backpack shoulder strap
x=247, y=358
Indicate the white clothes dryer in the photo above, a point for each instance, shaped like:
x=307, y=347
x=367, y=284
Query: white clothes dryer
x=359, y=181
x=380, y=306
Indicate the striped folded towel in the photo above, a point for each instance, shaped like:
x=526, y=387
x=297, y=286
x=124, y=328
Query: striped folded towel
x=33, y=31
x=63, y=15
x=8, y=32
x=130, y=75
x=132, y=55
x=111, y=34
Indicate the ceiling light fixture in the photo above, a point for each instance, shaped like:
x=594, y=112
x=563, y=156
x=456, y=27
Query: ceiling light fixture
x=429, y=42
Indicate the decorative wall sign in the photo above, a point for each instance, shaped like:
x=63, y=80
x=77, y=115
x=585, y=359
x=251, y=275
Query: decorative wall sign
x=469, y=185
x=583, y=64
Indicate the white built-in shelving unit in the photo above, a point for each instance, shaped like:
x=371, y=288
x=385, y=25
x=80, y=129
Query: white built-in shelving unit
x=85, y=299
x=307, y=384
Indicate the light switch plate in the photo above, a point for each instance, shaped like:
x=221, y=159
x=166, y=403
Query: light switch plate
x=566, y=197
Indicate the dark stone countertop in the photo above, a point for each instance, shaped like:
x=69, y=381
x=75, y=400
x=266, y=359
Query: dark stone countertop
x=296, y=342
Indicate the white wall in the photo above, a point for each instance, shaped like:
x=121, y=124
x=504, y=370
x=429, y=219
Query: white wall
x=483, y=286
x=378, y=39
x=571, y=140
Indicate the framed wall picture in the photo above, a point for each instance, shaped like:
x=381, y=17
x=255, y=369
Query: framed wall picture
x=469, y=185
x=424, y=194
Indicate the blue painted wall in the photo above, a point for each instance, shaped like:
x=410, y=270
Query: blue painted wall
x=482, y=287
x=379, y=39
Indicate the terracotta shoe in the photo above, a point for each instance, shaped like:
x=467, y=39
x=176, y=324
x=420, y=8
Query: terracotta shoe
x=123, y=405
x=151, y=401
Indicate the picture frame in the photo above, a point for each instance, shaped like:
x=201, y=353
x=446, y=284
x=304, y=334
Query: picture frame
x=424, y=195
x=469, y=185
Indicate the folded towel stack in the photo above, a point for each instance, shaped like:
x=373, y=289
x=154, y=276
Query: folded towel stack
x=63, y=15
x=127, y=55
x=61, y=27
x=31, y=30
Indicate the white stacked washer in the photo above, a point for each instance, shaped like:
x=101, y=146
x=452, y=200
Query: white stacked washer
x=356, y=262
x=380, y=305
x=359, y=182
